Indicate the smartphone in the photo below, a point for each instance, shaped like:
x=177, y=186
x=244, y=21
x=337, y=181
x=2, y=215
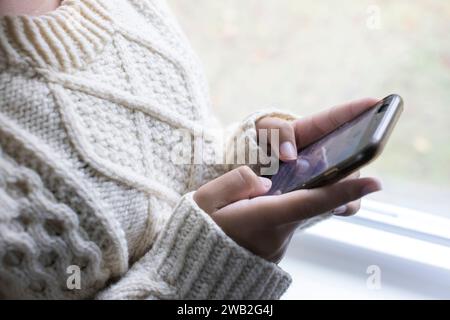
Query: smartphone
x=342, y=151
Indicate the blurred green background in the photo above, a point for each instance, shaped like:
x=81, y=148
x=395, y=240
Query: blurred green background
x=303, y=56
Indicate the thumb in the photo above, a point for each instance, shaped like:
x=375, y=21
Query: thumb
x=238, y=184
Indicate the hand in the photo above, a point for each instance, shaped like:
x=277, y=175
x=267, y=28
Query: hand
x=301, y=132
x=265, y=224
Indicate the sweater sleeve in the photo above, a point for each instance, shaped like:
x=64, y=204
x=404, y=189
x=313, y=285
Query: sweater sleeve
x=45, y=241
x=194, y=259
x=54, y=243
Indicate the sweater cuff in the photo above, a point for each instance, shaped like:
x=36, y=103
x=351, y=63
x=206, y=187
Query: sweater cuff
x=247, y=133
x=248, y=126
x=199, y=261
x=271, y=112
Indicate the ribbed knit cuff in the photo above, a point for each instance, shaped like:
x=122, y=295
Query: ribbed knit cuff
x=198, y=260
x=247, y=133
x=270, y=112
x=248, y=126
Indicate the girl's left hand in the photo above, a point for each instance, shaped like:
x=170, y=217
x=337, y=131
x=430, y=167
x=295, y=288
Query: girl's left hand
x=301, y=132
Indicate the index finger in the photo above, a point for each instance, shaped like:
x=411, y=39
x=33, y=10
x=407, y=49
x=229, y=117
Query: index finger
x=312, y=128
x=304, y=204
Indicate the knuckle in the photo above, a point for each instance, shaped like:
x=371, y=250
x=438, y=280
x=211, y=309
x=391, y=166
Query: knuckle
x=246, y=176
x=333, y=118
x=200, y=193
x=286, y=127
x=332, y=115
x=201, y=198
x=317, y=126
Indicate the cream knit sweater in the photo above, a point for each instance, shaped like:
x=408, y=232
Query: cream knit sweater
x=91, y=96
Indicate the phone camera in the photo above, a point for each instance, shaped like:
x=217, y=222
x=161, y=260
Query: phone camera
x=383, y=108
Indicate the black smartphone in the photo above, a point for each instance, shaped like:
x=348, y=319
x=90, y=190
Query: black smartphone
x=342, y=151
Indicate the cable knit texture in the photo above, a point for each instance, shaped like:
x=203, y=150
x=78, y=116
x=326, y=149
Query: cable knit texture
x=94, y=97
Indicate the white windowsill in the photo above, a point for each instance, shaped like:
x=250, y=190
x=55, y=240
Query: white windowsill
x=412, y=249
x=401, y=232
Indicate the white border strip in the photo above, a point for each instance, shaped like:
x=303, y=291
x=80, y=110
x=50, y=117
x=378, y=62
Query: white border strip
x=350, y=232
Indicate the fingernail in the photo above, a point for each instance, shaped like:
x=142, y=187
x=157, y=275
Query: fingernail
x=370, y=189
x=287, y=150
x=267, y=183
x=339, y=210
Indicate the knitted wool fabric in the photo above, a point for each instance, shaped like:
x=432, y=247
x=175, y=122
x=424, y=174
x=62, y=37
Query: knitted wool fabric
x=91, y=99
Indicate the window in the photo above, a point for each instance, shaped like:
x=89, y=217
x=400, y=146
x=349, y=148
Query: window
x=304, y=56
x=307, y=55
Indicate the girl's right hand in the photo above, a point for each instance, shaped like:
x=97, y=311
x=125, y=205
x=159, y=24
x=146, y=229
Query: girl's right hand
x=265, y=224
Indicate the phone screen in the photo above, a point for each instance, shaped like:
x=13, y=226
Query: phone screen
x=322, y=155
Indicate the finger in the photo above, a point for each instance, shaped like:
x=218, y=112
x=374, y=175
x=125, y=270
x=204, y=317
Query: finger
x=312, y=128
x=238, y=184
x=348, y=209
x=303, y=204
x=286, y=147
x=352, y=207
